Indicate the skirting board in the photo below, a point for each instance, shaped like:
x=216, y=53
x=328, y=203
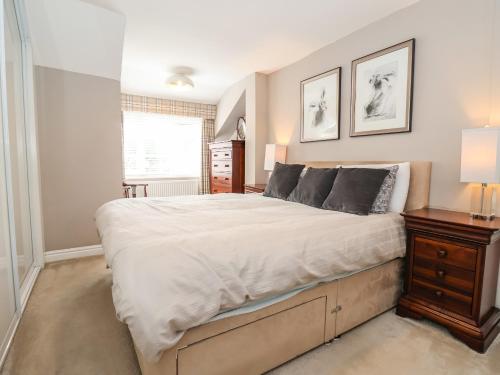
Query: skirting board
x=73, y=253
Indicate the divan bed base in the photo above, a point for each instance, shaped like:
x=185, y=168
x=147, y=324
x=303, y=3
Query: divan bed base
x=259, y=341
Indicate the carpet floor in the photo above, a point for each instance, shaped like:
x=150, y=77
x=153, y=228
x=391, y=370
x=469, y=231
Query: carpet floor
x=69, y=328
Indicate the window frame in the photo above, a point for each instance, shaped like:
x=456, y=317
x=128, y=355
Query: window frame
x=145, y=178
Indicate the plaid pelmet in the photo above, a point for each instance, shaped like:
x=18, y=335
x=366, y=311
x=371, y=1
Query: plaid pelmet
x=137, y=103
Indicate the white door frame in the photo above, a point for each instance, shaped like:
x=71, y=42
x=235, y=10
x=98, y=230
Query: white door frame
x=31, y=137
x=5, y=230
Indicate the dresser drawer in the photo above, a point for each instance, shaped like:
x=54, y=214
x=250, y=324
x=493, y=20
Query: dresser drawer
x=222, y=179
x=443, y=274
x=446, y=253
x=217, y=188
x=221, y=166
x=222, y=154
x=442, y=297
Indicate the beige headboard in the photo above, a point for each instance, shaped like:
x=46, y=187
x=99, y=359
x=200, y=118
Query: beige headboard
x=420, y=179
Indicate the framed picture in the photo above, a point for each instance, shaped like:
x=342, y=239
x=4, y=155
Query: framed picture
x=381, y=93
x=320, y=107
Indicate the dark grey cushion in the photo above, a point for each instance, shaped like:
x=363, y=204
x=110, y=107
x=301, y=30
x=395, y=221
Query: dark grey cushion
x=314, y=186
x=283, y=180
x=381, y=203
x=355, y=189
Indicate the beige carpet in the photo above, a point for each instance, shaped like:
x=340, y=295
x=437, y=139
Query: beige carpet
x=69, y=328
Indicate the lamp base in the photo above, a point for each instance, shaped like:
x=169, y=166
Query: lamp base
x=483, y=202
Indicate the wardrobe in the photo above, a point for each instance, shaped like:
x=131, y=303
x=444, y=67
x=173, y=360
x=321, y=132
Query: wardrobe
x=21, y=246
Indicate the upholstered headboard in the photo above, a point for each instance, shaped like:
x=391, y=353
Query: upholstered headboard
x=420, y=179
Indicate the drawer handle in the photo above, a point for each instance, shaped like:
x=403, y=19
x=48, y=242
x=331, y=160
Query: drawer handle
x=227, y=165
x=227, y=178
x=442, y=253
x=216, y=165
x=215, y=177
x=215, y=155
x=438, y=293
x=215, y=190
x=226, y=154
x=441, y=273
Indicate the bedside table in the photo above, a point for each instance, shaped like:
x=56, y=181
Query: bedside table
x=452, y=274
x=254, y=188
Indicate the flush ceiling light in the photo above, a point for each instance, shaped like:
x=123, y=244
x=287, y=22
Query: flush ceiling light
x=180, y=82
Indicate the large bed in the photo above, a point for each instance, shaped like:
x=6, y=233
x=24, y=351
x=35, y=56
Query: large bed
x=239, y=284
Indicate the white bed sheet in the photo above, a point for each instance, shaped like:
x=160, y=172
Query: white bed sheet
x=252, y=306
x=178, y=262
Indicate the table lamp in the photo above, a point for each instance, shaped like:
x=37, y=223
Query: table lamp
x=480, y=163
x=274, y=153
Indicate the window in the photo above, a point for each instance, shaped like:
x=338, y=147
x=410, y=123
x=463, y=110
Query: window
x=161, y=146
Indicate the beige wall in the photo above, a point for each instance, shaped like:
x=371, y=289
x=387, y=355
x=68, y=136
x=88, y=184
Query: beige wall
x=453, y=65
x=495, y=83
x=79, y=134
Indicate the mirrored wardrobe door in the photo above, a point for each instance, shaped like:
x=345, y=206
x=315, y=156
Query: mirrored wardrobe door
x=7, y=294
x=17, y=141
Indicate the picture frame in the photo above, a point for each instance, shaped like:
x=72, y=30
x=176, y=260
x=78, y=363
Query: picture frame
x=320, y=107
x=382, y=91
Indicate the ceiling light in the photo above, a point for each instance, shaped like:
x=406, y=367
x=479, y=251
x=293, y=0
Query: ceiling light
x=180, y=82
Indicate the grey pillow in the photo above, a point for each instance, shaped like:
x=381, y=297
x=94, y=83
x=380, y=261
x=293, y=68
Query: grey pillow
x=355, y=189
x=283, y=180
x=381, y=204
x=314, y=186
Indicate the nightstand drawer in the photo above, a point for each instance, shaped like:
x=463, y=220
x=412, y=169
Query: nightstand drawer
x=442, y=297
x=443, y=274
x=447, y=253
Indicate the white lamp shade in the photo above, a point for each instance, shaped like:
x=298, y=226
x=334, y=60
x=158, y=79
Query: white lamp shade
x=480, y=160
x=274, y=153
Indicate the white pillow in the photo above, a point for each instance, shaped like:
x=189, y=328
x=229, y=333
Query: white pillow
x=400, y=191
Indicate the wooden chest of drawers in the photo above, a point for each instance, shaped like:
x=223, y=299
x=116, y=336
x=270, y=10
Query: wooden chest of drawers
x=452, y=273
x=227, y=167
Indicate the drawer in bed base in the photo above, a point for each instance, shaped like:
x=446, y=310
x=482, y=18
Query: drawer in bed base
x=260, y=345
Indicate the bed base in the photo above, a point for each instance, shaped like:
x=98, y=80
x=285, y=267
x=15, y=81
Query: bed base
x=259, y=341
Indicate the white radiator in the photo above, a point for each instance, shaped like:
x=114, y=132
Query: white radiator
x=170, y=188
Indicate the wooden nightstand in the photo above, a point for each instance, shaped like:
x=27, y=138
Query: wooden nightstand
x=254, y=188
x=452, y=273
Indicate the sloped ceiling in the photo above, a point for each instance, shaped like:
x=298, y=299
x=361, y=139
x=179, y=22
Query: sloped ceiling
x=226, y=40
x=76, y=36
x=222, y=40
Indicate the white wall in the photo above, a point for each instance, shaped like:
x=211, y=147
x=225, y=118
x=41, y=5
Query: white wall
x=77, y=37
x=228, y=101
x=228, y=129
x=254, y=89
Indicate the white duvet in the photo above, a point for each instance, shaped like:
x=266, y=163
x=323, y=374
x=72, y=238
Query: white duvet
x=177, y=262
